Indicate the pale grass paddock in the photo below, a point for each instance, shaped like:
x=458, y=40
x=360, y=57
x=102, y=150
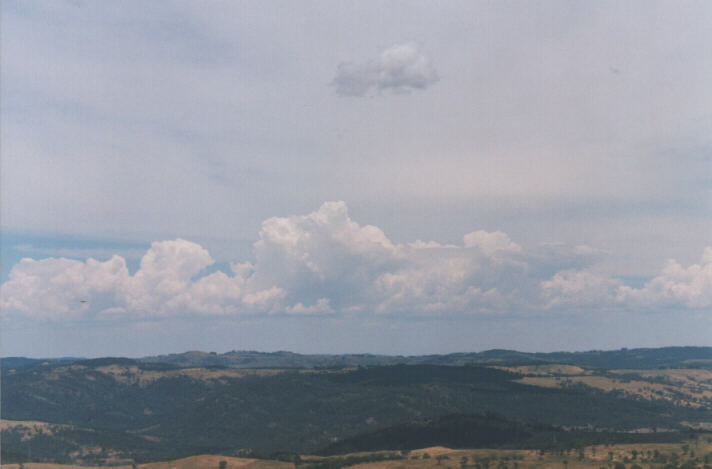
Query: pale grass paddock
x=594, y=457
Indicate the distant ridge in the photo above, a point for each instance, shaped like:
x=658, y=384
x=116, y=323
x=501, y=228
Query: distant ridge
x=638, y=358
x=19, y=362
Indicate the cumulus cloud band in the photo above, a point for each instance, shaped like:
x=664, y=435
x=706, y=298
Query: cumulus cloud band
x=325, y=263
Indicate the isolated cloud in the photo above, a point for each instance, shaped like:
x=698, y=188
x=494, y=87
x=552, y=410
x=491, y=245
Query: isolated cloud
x=326, y=263
x=400, y=69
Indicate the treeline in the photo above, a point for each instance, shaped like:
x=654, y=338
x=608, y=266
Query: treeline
x=345, y=461
x=490, y=431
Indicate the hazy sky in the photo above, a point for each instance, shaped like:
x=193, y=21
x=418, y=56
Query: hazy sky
x=386, y=177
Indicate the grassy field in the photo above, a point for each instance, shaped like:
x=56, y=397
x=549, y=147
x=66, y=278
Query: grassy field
x=684, y=387
x=646, y=456
x=694, y=454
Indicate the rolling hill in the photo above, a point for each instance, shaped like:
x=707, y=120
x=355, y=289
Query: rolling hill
x=146, y=410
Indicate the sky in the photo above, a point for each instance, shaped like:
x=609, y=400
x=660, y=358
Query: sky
x=358, y=176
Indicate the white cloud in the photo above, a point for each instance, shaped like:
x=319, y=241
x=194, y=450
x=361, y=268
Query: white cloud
x=56, y=288
x=400, y=69
x=491, y=243
x=326, y=263
x=579, y=289
x=320, y=307
x=322, y=254
x=688, y=286
x=675, y=287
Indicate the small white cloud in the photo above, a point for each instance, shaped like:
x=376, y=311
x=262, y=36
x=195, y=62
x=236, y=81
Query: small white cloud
x=491, y=243
x=400, y=69
x=419, y=244
x=321, y=307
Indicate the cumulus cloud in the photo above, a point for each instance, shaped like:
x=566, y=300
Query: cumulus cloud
x=400, y=69
x=325, y=263
x=689, y=286
x=580, y=289
x=322, y=306
x=491, y=243
x=55, y=288
x=675, y=286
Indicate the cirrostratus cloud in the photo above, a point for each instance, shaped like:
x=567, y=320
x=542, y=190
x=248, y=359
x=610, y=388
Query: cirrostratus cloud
x=400, y=69
x=326, y=263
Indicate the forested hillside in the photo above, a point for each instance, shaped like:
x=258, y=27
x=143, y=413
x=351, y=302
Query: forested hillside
x=144, y=411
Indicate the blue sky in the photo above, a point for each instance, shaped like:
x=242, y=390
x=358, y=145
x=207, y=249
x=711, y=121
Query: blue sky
x=391, y=177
